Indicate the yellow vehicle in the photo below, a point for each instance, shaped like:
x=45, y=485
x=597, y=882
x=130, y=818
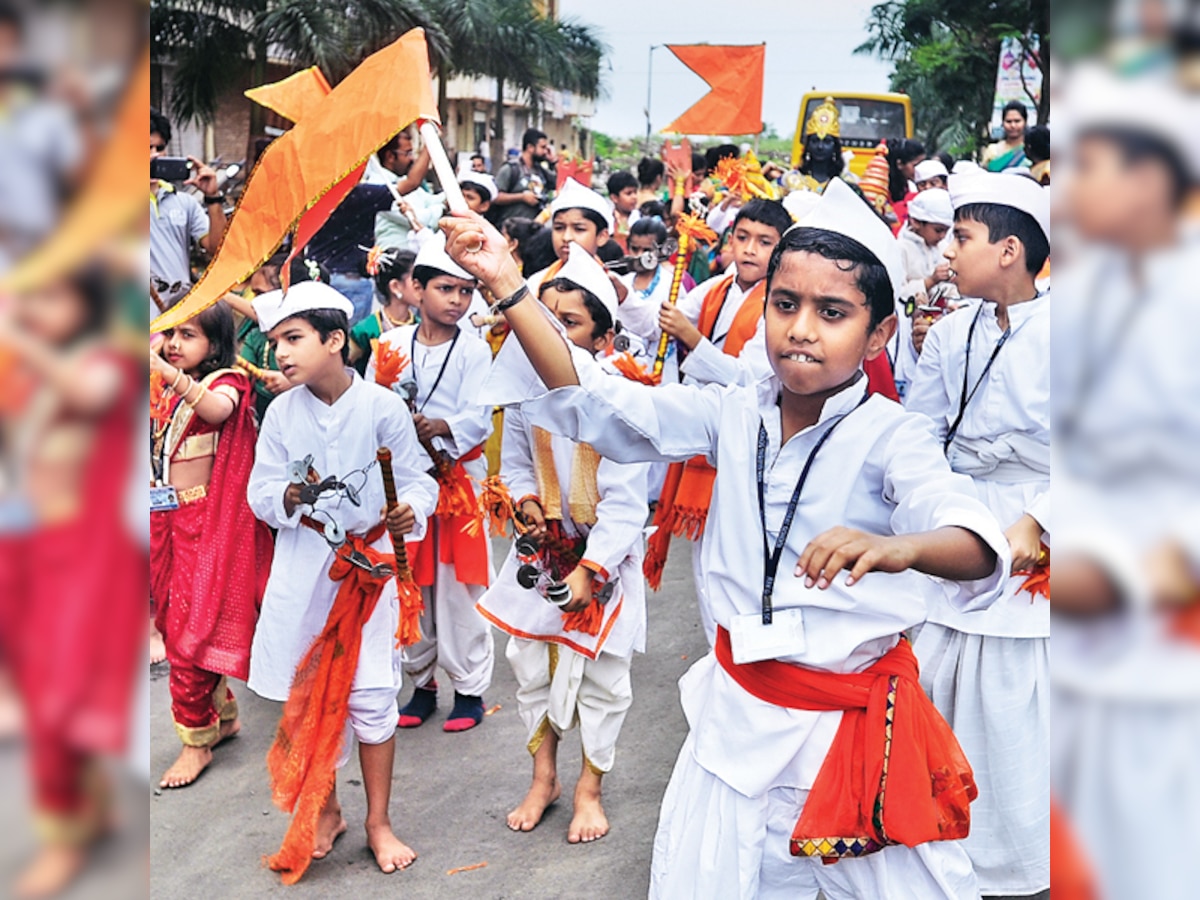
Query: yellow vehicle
x=863, y=121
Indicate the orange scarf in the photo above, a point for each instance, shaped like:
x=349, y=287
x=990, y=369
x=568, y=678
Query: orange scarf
x=1070, y=874
x=895, y=773
x=302, y=762
x=456, y=545
x=687, y=491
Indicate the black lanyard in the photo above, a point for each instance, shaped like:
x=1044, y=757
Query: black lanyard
x=965, y=398
x=771, y=559
x=441, y=371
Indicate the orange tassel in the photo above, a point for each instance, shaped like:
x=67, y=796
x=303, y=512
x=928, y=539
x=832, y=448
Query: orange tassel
x=412, y=605
x=695, y=229
x=628, y=366
x=160, y=401
x=587, y=620
x=390, y=363
x=1037, y=579
x=496, y=504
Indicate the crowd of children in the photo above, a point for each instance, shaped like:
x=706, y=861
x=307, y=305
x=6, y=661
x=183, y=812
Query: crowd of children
x=866, y=570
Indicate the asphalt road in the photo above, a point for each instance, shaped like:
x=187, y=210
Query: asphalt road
x=450, y=797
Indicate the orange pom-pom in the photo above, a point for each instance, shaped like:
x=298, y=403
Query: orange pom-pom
x=628, y=366
x=695, y=228
x=390, y=363
x=496, y=503
x=587, y=620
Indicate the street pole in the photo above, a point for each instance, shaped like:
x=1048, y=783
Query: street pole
x=649, y=85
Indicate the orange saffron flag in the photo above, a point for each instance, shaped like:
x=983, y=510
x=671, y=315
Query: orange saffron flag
x=388, y=91
x=735, y=74
x=295, y=97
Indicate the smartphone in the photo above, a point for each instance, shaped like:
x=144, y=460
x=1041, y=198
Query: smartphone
x=170, y=168
x=931, y=311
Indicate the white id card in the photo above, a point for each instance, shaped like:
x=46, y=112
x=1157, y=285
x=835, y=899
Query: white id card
x=163, y=498
x=753, y=641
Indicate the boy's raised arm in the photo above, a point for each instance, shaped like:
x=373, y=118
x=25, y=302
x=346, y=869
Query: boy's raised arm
x=478, y=247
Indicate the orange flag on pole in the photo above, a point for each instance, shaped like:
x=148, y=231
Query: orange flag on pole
x=735, y=74
x=295, y=96
x=334, y=136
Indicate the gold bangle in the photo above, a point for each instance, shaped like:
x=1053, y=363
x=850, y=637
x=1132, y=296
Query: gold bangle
x=175, y=383
x=199, y=397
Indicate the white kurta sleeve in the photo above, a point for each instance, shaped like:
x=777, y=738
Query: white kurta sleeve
x=471, y=423
x=692, y=302
x=620, y=514
x=410, y=463
x=1039, y=508
x=708, y=365
x=516, y=456
x=269, y=475
x=629, y=422
x=928, y=495
x=927, y=394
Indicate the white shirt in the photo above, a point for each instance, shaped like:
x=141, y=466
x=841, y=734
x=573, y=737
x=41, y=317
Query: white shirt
x=463, y=365
x=881, y=471
x=639, y=316
x=1003, y=442
x=341, y=438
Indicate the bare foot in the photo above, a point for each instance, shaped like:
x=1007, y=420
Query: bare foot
x=229, y=730
x=330, y=827
x=187, y=768
x=51, y=871
x=391, y=853
x=158, y=650
x=542, y=793
x=589, y=822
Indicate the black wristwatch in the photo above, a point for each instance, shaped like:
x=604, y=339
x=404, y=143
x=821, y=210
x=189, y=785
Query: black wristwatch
x=217, y=198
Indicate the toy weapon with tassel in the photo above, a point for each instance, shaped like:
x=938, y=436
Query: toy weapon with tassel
x=411, y=602
x=691, y=230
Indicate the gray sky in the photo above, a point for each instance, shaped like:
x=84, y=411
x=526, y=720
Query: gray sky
x=809, y=45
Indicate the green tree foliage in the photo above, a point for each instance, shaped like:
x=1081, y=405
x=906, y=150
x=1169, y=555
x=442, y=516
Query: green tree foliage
x=945, y=54
x=215, y=44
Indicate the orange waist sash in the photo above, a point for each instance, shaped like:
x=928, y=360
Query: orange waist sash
x=894, y=774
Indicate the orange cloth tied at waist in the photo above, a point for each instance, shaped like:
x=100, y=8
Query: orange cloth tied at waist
x=303, y=759
x=894, y=774
x=454, y=544
x=687, y=490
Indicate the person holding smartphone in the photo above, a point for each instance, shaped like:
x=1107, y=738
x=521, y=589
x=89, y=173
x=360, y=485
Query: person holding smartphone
x=177, y=218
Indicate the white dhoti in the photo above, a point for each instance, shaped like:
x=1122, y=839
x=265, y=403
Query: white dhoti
x=713, y=842
x=557, y=688
x=371, y=718
x=453, y=635
x=994, y=692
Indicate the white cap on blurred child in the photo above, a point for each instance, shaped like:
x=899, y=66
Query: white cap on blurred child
x=844, y=212
x=481, y=180
x=1097, y=99
x=1024, y=194
x=932, y=206
x=582, y=269
x=433, y=254
x=575, y=196
x=929, y=168
x=273, y=307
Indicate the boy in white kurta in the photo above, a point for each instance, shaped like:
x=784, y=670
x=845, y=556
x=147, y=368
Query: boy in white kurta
x=923, y=239
x=340, y=421
x=452, y=567
x=762, y=748
x=984, y=379
x=587, y=513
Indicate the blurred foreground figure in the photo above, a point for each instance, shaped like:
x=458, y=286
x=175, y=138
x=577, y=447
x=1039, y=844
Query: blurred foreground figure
x=1127, y=490
x=72, y=577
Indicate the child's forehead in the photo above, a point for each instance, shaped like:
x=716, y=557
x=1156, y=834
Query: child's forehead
x=292, y=323
x=445, y=279
x=561, y=300
x=570, y=215
x=802, y=274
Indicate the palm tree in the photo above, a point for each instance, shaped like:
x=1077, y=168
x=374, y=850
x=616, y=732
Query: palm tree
x=510, y=41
